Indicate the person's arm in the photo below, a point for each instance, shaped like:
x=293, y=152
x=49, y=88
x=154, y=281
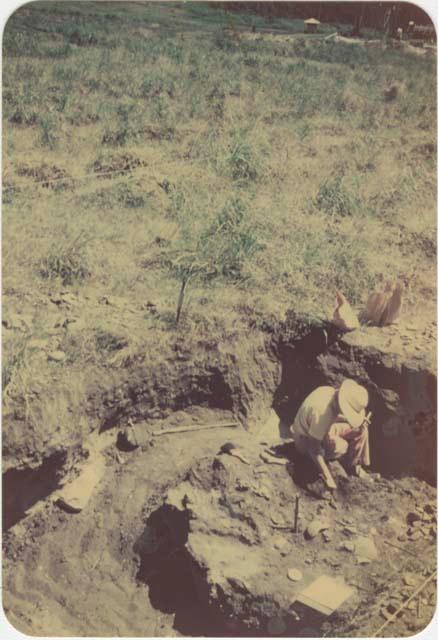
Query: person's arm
x=315, y=452
x=325, y=471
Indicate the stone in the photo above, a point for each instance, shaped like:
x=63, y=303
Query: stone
x=280, y=543
x=56, y=356
x=350, y=530
x=295, y=575
x=365, y=548
x=315, y=527
x=415, y=535
x=69, y=298
x=347, y=546
x=327, y=536
x=75, y=495
x=412, y=517
x=362, y=560
x=430, y=508
x=409, y=580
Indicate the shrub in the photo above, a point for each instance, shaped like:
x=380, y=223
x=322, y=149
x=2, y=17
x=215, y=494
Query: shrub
x=334, y=199
x=49, y=134
x=245, y=158
x=67, y=261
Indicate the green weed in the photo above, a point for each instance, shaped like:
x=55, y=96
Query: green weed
x=335, y=199
x=49, y=130
x=67, y=261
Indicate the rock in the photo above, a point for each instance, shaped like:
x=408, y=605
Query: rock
x=412, y=517
x=295, y=575
x=350, y=530
x=327, y=536
x=366, y=547
x=261, y=491
x=315, y=527
x=280, y=543
x=75, y=495
x=415, y=535
x=430, y=508
x=409, y=580
x=69, y=298
x=56, y=356
x=385, y=613
x=37, y=344
x=239, y=585
x=347, y=546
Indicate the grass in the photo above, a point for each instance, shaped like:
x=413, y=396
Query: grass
x=275, y=160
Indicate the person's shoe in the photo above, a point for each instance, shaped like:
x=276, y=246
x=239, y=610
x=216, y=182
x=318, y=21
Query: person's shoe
x=363, y=473
x=358, y=471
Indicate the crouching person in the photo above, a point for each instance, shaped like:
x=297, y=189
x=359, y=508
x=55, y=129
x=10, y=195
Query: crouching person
x=331, y=424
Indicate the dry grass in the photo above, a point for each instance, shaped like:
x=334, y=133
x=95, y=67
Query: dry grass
x=337, y=183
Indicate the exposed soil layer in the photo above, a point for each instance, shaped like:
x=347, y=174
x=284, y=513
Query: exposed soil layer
x=92, y=573
x=235, y=524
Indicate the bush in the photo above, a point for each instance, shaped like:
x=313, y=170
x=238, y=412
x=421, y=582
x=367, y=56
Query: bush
x=334, y=199
x=49, y=134
x=67, y=262
x=245, y=157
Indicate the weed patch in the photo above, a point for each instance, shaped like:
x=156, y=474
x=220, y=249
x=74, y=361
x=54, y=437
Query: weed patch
x=67, y=262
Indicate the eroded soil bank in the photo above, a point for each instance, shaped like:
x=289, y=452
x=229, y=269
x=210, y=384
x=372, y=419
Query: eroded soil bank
x=88, y=574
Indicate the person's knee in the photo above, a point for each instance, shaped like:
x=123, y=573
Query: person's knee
x=336, y=448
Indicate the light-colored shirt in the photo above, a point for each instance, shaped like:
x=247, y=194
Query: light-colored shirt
x=316, y=414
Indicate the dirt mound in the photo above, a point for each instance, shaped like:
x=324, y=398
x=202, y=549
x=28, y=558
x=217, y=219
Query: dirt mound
x=231, y=525
x=118, y=165
x=48, y=176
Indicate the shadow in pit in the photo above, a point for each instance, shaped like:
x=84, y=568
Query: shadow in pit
x=169, y=572
x=22, y=488
x=175, y=585
x=301, y=469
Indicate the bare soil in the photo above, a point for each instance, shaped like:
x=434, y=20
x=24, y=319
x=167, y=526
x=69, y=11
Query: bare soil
x=93, y=573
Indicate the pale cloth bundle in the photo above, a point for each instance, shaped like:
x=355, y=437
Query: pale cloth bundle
x=344, y=317
x=383, y=307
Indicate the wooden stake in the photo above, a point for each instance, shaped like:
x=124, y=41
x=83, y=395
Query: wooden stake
x=296, y=514
x=195, y=427
x=405, y=603
x=391, y=544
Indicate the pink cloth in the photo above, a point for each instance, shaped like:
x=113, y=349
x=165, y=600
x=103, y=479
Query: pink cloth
x=344, y=440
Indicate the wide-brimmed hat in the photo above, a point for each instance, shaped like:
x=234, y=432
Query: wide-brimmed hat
x=353, y=400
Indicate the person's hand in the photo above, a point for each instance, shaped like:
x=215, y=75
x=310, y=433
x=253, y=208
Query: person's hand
x=330, y=483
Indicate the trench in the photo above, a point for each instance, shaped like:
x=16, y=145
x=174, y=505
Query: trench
x=402, y=441
x=172, y=578
x=402, y=444
x=176, y=583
